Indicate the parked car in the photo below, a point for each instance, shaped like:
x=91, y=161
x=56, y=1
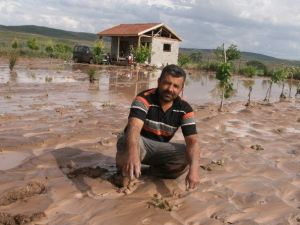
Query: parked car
x=83, y=53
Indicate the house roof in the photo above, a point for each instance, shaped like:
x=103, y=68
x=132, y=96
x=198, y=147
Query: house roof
x=134, y=29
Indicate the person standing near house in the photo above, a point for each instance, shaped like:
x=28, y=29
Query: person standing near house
x=155, y=115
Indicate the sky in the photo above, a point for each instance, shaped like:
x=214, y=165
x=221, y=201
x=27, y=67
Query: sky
x=270, y=27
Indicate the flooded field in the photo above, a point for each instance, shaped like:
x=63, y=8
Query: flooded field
x=58, y=135
x=30, y=89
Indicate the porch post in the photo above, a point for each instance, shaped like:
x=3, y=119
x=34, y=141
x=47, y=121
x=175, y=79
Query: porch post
x=118, y=49
x=139, y=41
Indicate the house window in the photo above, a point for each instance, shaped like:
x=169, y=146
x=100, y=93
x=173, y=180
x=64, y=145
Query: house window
x=167, y=47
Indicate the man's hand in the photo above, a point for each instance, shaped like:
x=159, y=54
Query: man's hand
x=193, y=155
x=132, y=167
x=192, y=179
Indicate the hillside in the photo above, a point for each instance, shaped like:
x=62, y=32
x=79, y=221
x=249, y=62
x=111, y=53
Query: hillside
x=44, y=34
x=208, y=54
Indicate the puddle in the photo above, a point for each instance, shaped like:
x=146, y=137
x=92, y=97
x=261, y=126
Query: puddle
x=10, y=159
x=293, y=130
x=242, y=129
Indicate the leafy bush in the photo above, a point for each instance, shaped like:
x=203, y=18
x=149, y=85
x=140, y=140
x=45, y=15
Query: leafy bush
x=13, y=56
x=213, y=66
x=49, y=48
x=14, y=44
x=196, y=57
x=32, y=44
x=91, y=73
x=249, y=71
x=62, y=51
x=183, y=59
x=260, y=67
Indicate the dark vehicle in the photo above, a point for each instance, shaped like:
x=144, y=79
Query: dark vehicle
x=82, y=53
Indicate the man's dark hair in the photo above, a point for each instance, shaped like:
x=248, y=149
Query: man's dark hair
x=173, y=70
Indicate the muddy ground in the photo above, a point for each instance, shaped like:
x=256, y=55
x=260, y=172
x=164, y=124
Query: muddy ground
x=57, y=152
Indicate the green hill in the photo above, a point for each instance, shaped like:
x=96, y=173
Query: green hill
x=50, y=32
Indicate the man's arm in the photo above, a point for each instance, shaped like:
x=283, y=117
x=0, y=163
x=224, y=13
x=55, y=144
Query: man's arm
x=132, y=166
x=193, y=156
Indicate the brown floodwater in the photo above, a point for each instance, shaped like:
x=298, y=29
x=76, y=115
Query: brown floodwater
x=29, y=89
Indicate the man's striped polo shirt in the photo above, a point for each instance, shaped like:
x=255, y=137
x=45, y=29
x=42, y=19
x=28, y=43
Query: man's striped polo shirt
x=160, y=125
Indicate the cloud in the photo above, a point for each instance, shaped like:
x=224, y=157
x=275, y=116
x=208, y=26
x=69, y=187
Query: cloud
x=264, y=26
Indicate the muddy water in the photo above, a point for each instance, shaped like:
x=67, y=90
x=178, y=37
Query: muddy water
x=11, y=159
x=46, y=89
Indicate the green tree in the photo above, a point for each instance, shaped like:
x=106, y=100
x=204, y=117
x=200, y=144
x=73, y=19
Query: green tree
x=142, y=53
x=223, y=73
x=183, y=59
x=277, y=76
x=32, y=44
x=98, y=51
x=232, y=53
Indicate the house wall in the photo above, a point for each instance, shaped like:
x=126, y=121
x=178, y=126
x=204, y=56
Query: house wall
x=160, y=57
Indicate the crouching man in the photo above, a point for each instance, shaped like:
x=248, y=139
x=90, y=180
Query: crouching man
x=155, y=115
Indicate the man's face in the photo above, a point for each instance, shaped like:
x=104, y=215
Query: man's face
x=169, y=87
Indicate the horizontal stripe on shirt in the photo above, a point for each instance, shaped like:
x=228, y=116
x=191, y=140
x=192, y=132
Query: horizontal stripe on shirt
x=160, y=126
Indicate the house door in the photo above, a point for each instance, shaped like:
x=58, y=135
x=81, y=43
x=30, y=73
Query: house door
x=124, y=49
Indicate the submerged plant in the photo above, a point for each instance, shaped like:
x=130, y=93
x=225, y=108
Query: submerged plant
x=92, y=74
x=276, y=77
x=13, y=57
x=291, y=71
x=223, y=74
x=159, y=202
x=249, y=71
